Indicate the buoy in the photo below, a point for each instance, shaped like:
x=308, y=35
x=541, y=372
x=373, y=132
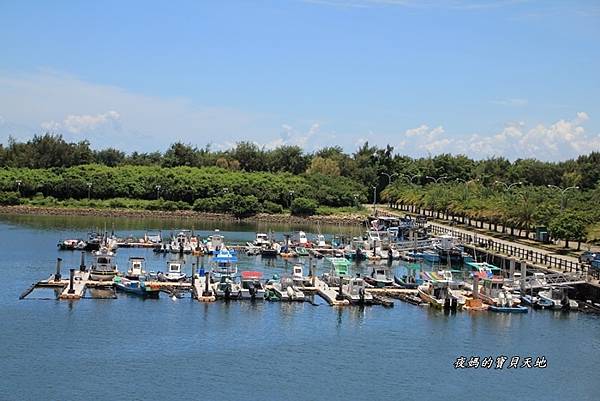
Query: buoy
x=174, y=298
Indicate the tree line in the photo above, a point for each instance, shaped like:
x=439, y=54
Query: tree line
x=368, y=165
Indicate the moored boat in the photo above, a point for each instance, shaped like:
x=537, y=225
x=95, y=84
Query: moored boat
x=136, y=287
x=252, y=286
x=103, y=268
x=379, y=277
x=173, y=273
x=136, y=268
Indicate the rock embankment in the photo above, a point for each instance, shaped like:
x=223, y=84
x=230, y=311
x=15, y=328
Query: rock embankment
x=345, y=219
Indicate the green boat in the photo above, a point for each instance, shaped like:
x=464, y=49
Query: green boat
x=301, y=251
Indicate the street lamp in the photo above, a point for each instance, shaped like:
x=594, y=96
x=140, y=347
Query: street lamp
x=436, y=180
x=562, y=194
x=157, y=191
x=389, y=176
x=508, y=187
x=291, y=195
x=89, y=186
x=355, y=200
x=19, y=182
x=374, y=198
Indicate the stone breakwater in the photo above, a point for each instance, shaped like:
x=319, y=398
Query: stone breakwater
x=345, y=219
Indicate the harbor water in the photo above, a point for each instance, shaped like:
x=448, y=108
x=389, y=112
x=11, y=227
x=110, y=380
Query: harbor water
x=164, y=349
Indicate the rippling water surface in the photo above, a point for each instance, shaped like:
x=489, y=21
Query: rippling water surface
x=164, y=349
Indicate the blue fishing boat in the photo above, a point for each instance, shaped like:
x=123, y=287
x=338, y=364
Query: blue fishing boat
x=136, y=287
x=508, y=309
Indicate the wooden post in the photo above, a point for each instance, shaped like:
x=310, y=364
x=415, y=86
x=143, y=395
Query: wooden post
x=82, y=263
x=193, y=274
x=57, y=274
x=206, y=284
x=476, y=287
x=71, y=278
x=523, y=275
x=511, y=264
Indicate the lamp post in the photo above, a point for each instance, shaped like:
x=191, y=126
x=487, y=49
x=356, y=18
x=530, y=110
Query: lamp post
x=89, y=187
x=563, y=191
x=436, y=180
x=355, y=200
x=508, y=187
x=389, y=176
x=157, y=191
x=374, y=198
x=291, y=196
x=19, y=182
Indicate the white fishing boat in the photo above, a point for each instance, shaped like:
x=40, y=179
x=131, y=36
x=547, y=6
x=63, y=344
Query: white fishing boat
x=559, y=298
x=298, y=275
x=227, y=287
x=380, y=277
x=252, y=286
x=355, y=291
x=215, y=243
x=285, y=290
x=173, y=273
x=261, y=240
x=492, y=292
x=439, y=295
x=103, y=268
x=136, y=268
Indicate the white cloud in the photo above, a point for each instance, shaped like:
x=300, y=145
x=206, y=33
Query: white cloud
x=111, y=116
x=309, y=139
x=560, y=140
x=77, y=124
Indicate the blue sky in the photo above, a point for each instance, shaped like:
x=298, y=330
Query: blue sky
x=511, y=78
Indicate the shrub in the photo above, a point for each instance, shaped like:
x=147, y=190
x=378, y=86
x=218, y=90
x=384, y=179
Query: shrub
x=304, y=207
x=272, y=207
x=9, y=198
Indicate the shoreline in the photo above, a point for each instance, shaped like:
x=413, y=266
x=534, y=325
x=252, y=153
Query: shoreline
x=22, y=210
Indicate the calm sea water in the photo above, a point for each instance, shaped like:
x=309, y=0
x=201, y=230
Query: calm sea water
x=133, y=349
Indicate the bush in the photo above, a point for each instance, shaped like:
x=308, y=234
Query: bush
x=304, y=207
x=243, y=206
x=272, y=207
x=9, y=198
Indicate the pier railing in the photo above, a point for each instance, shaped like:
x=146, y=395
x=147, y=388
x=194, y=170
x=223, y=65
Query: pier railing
x=537, y=257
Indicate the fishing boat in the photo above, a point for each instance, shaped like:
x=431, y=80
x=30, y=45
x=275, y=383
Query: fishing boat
x=301, y=251
x=559, y=298
x=270, y=251
x=215, y=242
x=227, y=287
x=261, y=240
x=439, y=295
x=355, y=291
x=136, y=287
x=252, y=287
x=380, y=277
x=320, y=242
x=285, y=290
x=224, y=263
x=302, y=240
x=298, y=277
x=136, y=268
x=536, y=302
x=507, y=309
x=173, y=273
x=72, y=245
x=493, y=293
x=447, y=250
x=338, y=271
x=103, y=268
